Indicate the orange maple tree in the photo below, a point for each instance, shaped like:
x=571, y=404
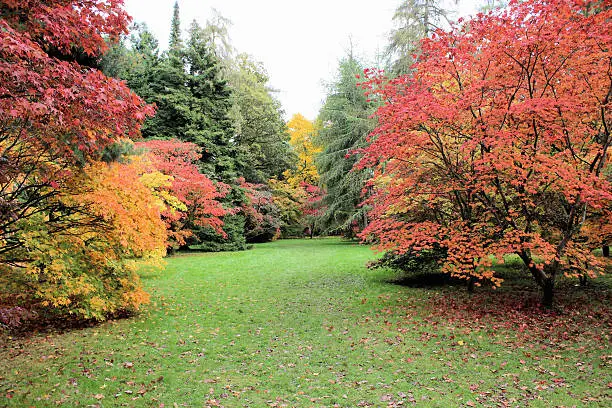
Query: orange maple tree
x=499, y=143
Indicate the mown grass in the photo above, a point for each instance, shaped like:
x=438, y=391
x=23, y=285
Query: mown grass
x=303, y=323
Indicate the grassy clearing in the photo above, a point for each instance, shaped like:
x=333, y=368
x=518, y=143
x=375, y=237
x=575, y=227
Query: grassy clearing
x=303, y=323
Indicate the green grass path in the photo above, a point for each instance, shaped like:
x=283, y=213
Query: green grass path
x=301, y=323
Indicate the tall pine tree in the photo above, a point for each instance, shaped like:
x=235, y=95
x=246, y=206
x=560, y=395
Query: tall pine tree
x=210, y=126
x=346, y=122
x=414, y=20
x=176, y=40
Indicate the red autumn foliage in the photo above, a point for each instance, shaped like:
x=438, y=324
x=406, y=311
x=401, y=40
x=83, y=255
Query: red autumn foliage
x=262, y=215
x=312, y=206
x=499, y=143
x=51, y=101
x=192, y=188
x=65, y=25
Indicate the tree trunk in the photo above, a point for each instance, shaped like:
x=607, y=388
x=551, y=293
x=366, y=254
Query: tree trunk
x=606, y=251
x=470, y=285
x=545, y=278
x=583, y=279
x=549, y=291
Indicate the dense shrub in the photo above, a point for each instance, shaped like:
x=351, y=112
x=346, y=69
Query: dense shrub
x=424, y=261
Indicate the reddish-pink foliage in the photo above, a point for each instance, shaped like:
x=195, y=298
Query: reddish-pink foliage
x=196, y=191
x=312, y=206
x=68, y=24
x=499, y=141
x=262, y=215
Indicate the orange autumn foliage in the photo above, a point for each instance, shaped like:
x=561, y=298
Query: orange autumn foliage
x=85, y=262
x=198, y=198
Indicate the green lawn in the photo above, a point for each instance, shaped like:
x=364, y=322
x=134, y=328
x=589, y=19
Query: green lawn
x=304, y=323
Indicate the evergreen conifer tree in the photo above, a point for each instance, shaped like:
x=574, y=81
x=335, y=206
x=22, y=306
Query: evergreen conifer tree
x=346, y=122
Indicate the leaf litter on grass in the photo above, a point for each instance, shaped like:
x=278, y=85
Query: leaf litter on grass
x=247, y=329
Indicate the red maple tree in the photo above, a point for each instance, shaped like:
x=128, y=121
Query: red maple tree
x=312, y=207
x=499, y=142
x=262, y=214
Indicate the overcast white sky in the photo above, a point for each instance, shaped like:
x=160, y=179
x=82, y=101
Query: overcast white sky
x=299, y=42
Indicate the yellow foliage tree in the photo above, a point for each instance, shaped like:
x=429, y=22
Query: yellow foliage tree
x=302, y=133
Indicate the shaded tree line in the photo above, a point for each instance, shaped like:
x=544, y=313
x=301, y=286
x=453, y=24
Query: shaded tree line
x=207, y=94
